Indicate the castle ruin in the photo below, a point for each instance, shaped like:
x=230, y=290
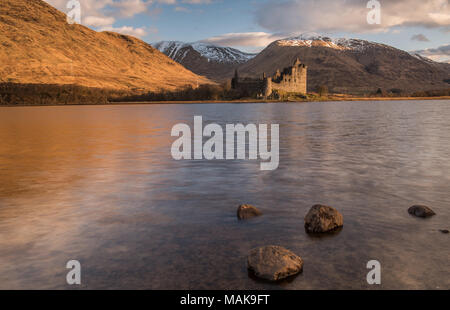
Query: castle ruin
x=291, y=80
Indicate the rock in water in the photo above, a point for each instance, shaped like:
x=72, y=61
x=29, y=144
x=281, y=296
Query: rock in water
x=247, y=211
x=274, y=263
x=444, y=231
x=322, y=219
x=421, y=211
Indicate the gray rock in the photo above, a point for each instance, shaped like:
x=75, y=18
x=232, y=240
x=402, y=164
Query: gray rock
x=274, y=263
x=247, y=211
x=322, y=219
x=421, y=211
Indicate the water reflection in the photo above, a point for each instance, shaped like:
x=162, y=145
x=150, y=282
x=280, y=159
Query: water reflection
x=98, y=184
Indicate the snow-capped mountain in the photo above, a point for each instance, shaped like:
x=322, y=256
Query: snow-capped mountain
x=179, y=50
x=350, y=65
x=215, y=62
x=316, y=40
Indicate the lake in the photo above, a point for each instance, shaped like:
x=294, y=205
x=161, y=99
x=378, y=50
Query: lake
x=98, y=184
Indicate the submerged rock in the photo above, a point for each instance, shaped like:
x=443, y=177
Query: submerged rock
x=247, y=211
x=274, y=263
x=322, y=219
x=421, y=211
x=444, y=231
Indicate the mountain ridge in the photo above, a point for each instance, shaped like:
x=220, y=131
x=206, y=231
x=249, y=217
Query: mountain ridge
x=215, y=62
x=350, y=65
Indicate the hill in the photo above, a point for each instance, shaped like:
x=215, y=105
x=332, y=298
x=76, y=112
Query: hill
x=39, y=46
x=350, y=65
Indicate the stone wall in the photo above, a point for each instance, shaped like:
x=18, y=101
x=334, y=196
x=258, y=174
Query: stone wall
x=292, y=80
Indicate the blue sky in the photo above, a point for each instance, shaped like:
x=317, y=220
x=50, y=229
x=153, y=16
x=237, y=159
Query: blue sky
x=252, y=24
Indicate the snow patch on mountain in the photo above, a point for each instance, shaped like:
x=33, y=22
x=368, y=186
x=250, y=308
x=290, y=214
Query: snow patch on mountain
x=316, y=40
x=170, y=48
x=209, y=51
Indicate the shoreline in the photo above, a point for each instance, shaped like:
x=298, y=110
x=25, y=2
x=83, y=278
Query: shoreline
x=246, y=101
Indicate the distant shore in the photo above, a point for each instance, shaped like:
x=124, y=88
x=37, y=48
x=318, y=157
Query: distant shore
x=328, y=99
x=331, y=98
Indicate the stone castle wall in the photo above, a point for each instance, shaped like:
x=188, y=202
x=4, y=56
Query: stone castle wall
x=292, y=80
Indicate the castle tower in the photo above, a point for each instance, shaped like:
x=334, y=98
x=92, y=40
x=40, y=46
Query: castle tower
x=267, y=87
x=303, y=77
x=277, y=74
x=235, y=80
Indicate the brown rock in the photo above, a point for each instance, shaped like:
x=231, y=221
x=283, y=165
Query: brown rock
x=247, y=211
x=421, y=211
x=274, y=263
x=322, y=219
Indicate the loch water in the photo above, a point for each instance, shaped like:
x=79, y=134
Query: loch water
x=98, y=184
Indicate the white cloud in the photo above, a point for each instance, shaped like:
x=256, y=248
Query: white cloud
x=167, y=1
x=197, y=1
x=88, y=7
x=102, y=14
x=440, y=54
x=136, y=32
x=251, y=39
x=96, y=21
x=129, y=8
x=350, y=15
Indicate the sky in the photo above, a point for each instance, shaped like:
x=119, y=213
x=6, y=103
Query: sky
x=250, y=25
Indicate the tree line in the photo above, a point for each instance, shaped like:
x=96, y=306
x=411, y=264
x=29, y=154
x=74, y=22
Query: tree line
x=187, y=93
x=53, y=94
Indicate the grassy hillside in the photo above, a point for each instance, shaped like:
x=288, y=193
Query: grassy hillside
x=39, y=46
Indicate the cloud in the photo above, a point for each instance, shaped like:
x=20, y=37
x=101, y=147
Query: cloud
x=136, y=32
x=129, y=8
x=96, y=21
x=350, y=15
x=167, y=1
x=103, y=14
x=440, y=54
x=251, y=39
x=181, y=9
x=197, y=1
x=420, y=37
x=88, y=7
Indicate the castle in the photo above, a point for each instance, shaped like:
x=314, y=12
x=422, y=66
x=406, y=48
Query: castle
x=291, y=80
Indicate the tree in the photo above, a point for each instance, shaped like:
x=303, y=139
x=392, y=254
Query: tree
x=322, y=90
x=381, y=93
